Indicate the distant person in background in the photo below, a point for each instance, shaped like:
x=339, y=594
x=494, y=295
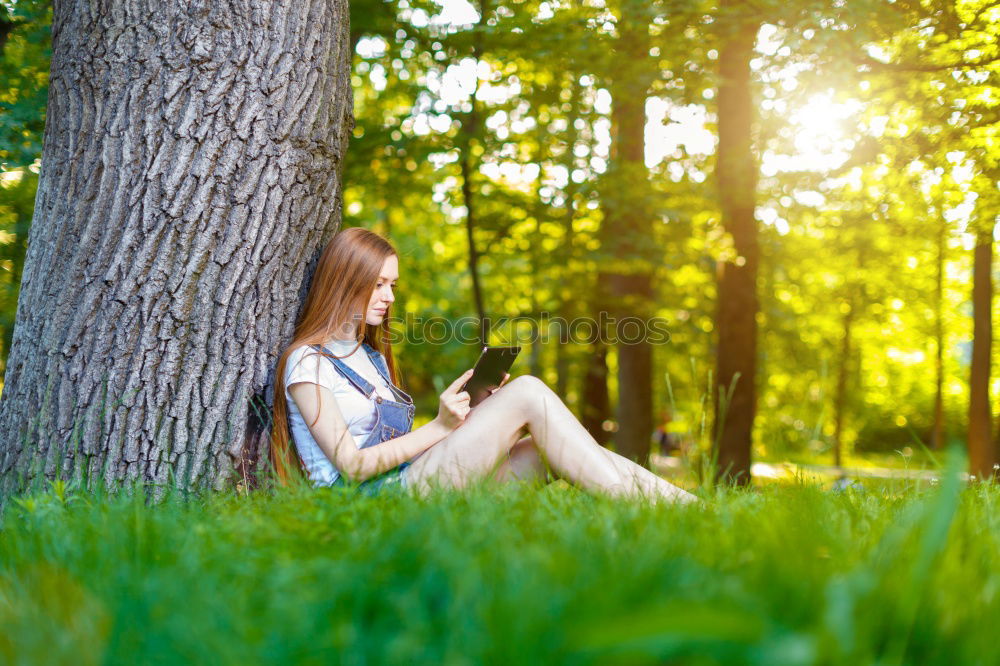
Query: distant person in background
x=669, y=443
x=339, y=413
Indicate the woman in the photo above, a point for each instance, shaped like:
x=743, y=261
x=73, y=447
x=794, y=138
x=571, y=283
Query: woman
x=336, y=392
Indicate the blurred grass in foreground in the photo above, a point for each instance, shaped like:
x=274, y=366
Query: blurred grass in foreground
x=783, y=575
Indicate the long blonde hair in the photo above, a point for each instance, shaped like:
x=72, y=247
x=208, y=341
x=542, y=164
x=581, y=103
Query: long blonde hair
x=342, y=286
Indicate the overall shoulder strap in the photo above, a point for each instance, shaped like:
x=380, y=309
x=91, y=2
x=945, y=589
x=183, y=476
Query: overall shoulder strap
x=357, y=380
x=378, y=361
x=383, y=369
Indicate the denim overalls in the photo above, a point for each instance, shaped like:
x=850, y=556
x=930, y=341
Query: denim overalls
x=392, y=417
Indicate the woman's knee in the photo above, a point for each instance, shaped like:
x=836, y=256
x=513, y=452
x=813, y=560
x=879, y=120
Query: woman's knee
x=530, y=391
x=530, y=384
x=519, y=398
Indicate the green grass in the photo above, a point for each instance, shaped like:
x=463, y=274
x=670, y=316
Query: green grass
x=789, y=574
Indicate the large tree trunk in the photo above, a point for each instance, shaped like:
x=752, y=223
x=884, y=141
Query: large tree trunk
x=736, y=356
x=190, y=175
x=629, y=254
x=981, y=447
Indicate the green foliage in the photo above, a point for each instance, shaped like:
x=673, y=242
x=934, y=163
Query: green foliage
x=860, y=238
x=17, y=201
x=26, y=48
x=25, y=51
x=517, y=574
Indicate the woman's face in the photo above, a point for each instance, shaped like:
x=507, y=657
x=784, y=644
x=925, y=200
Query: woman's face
x=383, y=297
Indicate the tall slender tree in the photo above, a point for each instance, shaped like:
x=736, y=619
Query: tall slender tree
x=980, y=413
x=736, y=356
x=627, y=253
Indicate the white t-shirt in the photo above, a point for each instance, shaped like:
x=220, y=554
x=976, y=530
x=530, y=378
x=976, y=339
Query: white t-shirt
x=305, y=365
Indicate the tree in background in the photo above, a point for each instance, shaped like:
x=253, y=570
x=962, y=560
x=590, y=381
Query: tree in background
x=946, y=56
x=736, y=358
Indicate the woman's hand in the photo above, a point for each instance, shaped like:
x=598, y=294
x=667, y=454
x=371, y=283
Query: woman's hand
x=453, y=405
x=506, y=376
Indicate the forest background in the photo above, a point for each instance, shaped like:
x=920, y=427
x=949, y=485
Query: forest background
x=490, y=148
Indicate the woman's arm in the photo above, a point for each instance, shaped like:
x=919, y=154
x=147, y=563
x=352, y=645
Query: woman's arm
x=331, y=433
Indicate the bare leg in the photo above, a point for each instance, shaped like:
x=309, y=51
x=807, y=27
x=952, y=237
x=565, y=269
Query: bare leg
x=490, y=430
x=523, y=463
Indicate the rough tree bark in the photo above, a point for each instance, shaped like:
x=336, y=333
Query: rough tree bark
x=191, y=173
x=736, y=355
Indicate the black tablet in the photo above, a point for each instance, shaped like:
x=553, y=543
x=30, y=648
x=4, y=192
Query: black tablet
x=493, y=364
